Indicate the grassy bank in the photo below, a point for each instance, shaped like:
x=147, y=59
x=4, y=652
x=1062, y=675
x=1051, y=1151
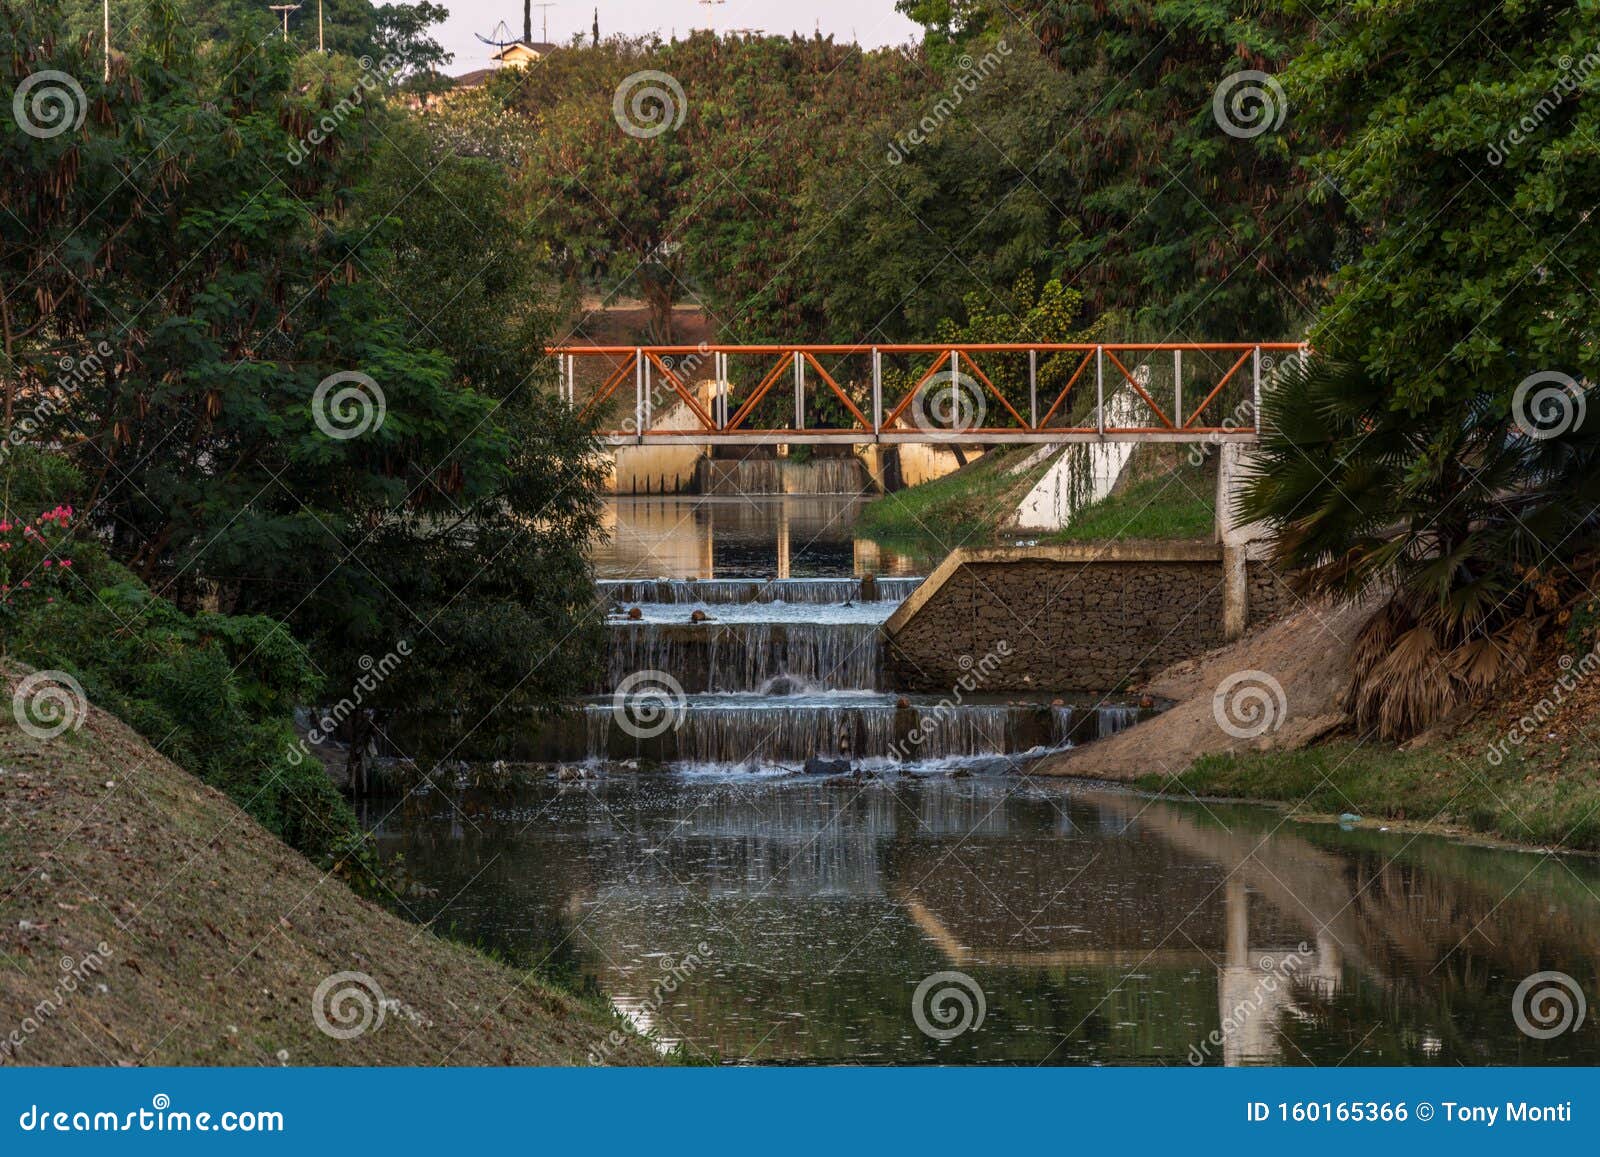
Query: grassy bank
x=1174, y=504
x=965, y=508
x=1543, y=790
x=195, y=936
x=1160, y=495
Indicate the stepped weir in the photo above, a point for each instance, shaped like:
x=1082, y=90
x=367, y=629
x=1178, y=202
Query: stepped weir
x=766, y=675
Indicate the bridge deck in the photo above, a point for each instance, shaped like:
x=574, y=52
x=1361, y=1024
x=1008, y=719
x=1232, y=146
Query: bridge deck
x=972, y=393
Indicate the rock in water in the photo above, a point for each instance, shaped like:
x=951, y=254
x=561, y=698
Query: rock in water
x=816, y=766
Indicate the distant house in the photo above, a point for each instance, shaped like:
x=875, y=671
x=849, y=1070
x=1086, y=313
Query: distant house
x=519, y=54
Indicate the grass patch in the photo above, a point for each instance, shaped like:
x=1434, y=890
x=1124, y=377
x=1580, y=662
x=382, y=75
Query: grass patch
x=966, y=508
x=1179, y=504
x=1160, y=496
x=1543, y=796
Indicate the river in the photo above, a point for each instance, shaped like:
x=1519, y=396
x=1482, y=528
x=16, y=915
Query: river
x=949, y=909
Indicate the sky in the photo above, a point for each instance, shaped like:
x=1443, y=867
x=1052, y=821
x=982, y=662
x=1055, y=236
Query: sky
x=869, y=22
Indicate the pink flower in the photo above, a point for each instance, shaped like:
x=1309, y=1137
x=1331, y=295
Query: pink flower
x=26, y=584
x=47, y=562
x=65, y=563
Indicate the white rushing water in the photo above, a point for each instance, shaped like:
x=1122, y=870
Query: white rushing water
x=759, y=676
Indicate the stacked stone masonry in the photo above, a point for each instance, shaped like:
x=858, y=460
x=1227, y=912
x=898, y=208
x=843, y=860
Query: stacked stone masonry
x=1070, y=625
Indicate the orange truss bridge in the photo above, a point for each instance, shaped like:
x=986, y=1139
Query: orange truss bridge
x=960, y=393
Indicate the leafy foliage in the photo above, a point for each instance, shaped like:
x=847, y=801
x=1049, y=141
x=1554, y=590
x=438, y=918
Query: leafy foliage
x=214, y=693
x=1413, y=457
x=228, y=231
x=1456, y=532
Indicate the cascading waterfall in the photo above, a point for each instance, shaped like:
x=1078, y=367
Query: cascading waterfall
x=751, y=656
x=723, y=592
x=778, y=673
x=874, y=732
x=1078, y=724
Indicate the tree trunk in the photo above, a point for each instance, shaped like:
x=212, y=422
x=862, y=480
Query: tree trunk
x=658, y=296
x=356, y=761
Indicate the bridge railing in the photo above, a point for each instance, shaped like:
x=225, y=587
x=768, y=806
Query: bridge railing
x=962, y=393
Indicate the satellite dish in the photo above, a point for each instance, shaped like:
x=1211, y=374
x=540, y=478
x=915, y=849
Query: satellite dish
x=500, y=37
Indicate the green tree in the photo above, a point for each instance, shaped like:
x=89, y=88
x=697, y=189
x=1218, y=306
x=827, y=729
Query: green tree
x=272, y=407
x=1146, y=200
x=1442, y=448
x=402, y=31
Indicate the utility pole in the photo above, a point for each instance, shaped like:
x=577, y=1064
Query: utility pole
x=285, y=9
x=107, y=13
x=711, y=25
x=528, y=22
x=319, y=27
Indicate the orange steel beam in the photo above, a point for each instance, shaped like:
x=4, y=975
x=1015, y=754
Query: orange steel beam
x=916, y=348
x=706, y=420
x=1061, y=397
x=984, y=378
x=608, y=389
x=631, y=355
x=1149, y=401
x=894, y=415
x=760, y=392
x=1217, y=389
x=843, y=397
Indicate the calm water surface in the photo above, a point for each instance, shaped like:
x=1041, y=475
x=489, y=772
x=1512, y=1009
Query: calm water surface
x=747, y=913
x=761, y=536
x=1100, y=926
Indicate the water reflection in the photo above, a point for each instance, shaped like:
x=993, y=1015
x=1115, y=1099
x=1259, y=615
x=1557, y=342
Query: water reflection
x=1102, y=927
x=760, y=536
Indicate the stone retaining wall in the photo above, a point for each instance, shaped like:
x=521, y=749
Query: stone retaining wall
x=1092, y=617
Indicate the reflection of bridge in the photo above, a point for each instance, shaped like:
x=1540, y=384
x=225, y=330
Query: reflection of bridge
x=1263, y=956
x=964, y=393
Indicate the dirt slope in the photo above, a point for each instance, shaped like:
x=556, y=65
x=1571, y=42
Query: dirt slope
x=145, y=919
x=1306, y=653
